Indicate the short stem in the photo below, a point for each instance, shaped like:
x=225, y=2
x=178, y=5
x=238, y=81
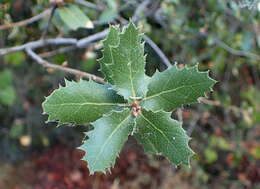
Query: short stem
x=124, y=105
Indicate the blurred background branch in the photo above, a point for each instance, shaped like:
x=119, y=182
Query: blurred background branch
x=46, y=64
x=28, y=21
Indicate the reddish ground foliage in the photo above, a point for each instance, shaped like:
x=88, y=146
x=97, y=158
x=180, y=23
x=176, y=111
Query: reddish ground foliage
x=61, y=167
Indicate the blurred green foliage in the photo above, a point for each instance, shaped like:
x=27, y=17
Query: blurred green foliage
x=213, y=33
x=71, y=17
x=7, y=91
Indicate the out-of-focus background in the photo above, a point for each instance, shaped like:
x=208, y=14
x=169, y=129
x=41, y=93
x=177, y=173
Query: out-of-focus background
x=221, y=35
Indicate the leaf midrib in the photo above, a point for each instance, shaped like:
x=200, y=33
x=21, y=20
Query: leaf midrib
x=154, y=126
x=110, y=136
x=131, y=80
x=85, y=103
x=173, y=90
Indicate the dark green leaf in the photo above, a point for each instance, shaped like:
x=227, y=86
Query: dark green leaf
x=158, y=133
x=170, y=89
x=112, y=39
x=80, y=102
x=107, y=139
x=128, y=63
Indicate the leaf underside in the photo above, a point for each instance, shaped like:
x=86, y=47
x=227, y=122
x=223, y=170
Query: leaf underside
x=107, y=139
x=80, y=102
x=160, y=134
x=170, y=89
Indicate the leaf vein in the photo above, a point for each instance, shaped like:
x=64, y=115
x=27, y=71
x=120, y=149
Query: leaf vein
x=173, y=90
x=107, y=140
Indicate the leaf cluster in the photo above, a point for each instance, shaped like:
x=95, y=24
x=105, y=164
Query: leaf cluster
x=130, y=104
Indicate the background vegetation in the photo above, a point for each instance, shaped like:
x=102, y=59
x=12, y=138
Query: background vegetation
x=223, y=36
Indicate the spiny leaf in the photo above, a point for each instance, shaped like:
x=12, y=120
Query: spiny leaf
x=158, y=133
x=170, y=89
x=146, y=143
x=128, y=63
x=112, y=39
x=80, y=102
x=107, y=139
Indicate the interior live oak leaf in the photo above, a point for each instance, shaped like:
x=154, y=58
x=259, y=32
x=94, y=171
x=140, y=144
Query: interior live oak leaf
x=111, y=40
x=107, y=139
x=80, y=102
x=170, y=89
x=127, y=67
x=130, y=104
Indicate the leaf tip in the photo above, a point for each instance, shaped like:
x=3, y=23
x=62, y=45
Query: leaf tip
x=89, y=24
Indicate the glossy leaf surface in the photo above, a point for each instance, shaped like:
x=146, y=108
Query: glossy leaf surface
x=80, y=102
x=107, y=139
x=170, y=89
x=158, y=133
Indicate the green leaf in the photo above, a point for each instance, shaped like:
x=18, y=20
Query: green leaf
x=109, y=13
x=158, y=133
x=80, y=102
x=16, y=131
x=6, y=78
x=210, y=155
x=73, y=17
x=7, y=91
x=170, y=89
x=15, y=59
x=112, y=39
x=7, y=96
x=107, y=139
x=146, y=142
x=128, y=63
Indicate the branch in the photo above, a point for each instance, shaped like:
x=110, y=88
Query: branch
x=223, y=45
x=85, y=41
x=53, y=9
x=234, y=51
x=135, y=18
x=139, y=10
x=57, y=51
x=37, y=44
x=218, y=103
x=47, y=64
x=27, y=21
x=58, y=41
x=193, y=122
x=75, y=44
x=158, y=51
x=88, y=4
